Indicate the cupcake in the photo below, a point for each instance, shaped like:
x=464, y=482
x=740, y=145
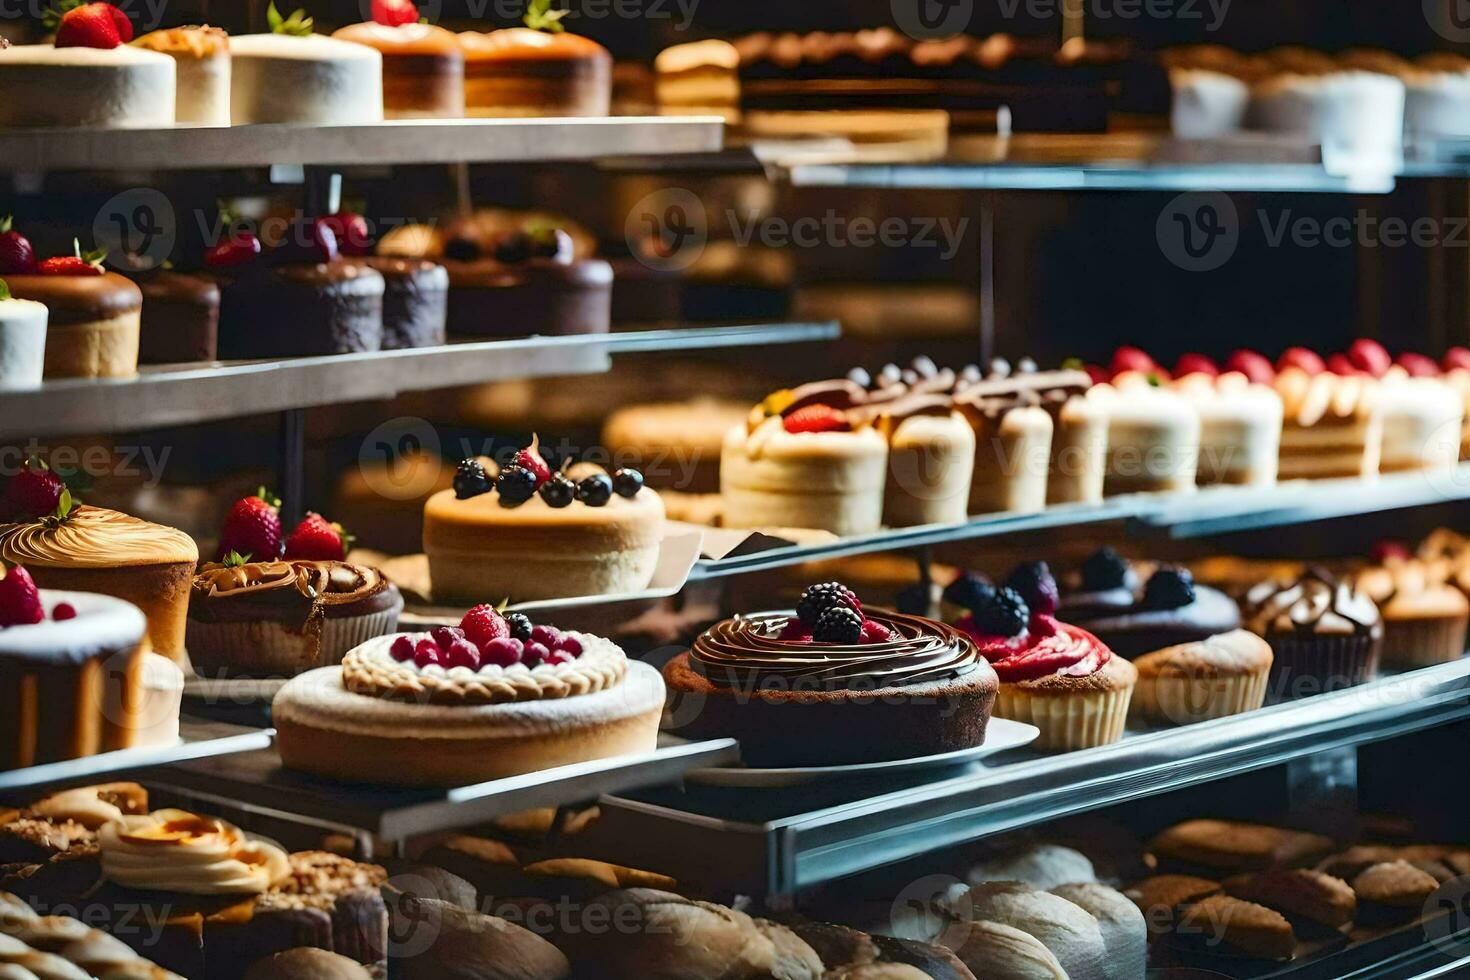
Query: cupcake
x=1424, y=617
x=1053, y=675
x=1325, y=635
x=1221, y=675
x=1170, y=609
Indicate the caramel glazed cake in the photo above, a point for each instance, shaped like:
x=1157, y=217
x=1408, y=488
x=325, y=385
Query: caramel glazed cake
x=793, y=702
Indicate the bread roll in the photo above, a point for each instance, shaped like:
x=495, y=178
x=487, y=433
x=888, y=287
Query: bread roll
x=307, y=964
x=463, y=945
x=1043, y=866
x=1124, y=932
x=1069, y=932
x=1001, y=952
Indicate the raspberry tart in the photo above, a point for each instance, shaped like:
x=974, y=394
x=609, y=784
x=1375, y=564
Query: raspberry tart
x=423, y=64
x=494, y=697
x=527, y=533
x=832, y=685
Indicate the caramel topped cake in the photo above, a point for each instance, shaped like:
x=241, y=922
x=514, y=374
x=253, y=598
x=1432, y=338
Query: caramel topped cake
x=832, y=685
x=178, y=851
x=520, y=71
x=202, y=71
x=94, y=322
x=423, y=67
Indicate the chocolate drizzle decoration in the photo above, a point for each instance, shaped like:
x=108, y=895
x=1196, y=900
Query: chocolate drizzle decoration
x=747, y=651
x=1309, y=602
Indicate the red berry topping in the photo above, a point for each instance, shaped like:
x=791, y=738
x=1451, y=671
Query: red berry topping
x=534, y=654
x=530, y=460
x=1370, y=356
x=445, y=635
x=239, y=249
x=34, y=492
x=1389, y=548
x=63, y=611
x=816, y=418
x=93, y=25
x=318, y=539
x=1418, y=366
x=426, y=653
x=1303, y=359
x=555, y=658
x=1456, y=357
x=569, y=645
x=1253, y=365
x=69, y=265
x=483, y=623
x=20, y=601
x=504, y=651
x=462, y=653
x=547, y=636
x=253, y=528
x=1195, y=364
x=401, y=649
x=351, y=230
x=1131, y=359
x=875, y=632
x=794, y=630
x=1099, y=374
x=16, y=255
x=395, y=13
x=1340, y=364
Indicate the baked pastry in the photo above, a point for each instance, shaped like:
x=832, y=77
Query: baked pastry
x=464, y=942
x=1437, y=97
x=294, y=76
x=831, y=686
x=991, y=949
x=468, y=704
x=1153, y=436
x=1221, y=675
x=529, y=290
x=383, y=502
x=1325, y=635
x=22, y=341
x=1206, y=104
x=1053, y=675
x=1249, y=928
x=93, y=317
x=536, y=70
x=699, y=76
x=931, y=461
x=1068, y=931
x=1333, y=425
x=540, y=535
x=305, y=963
x=1124, y=932
x=415, y=301
x=1079, y=446
x=279, y=618
x=806, y=458
x=111, y=85
x=1170, y=609
x=1299, y=892
x=1162, y=897
x=1424, y=618
x=201, y=57
x=1422, y=422
x=55, y=947
x=1240, y=428
x=66, y=819
x=1012, y=452
x=180, y=320
x=423, y=64
x=1393, y=890
x=92, y=549
x=1345, y=111
x=675, y=445
x=1043, y=866
x=1229, y=846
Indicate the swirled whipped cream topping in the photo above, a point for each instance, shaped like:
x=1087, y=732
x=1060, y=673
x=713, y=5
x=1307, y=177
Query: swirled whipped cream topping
x=749, y=651
x=95, y=537
x=178, y=851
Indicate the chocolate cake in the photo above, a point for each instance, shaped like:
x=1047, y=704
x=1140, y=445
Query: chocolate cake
x=300, y=310
x=180, y=318
x=415, y=301
x=488, y=298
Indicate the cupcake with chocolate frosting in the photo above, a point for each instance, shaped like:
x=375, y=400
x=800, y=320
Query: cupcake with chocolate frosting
x=1325, y=635
x=273, y=618
x=831, y=685
x=1170, y=608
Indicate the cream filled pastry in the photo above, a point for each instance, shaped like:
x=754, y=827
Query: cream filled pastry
x=1240, y=428
x=265, y=619
x=832, y=685
x=1332, y=425
x=1153, y=436
x=493, y=697
x=178, y=851
x=1422, y=420
x=201, y=58
x=92, y=549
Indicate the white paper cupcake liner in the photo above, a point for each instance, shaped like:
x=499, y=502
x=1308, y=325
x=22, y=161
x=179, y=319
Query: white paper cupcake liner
x=1187, y=700
x=1067, y=722
x=1423, y=642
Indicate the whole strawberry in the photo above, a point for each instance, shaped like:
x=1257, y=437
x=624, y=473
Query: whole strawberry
x=20, y=601
x=17, y=258
x=395, y=13
x=79, y=263
x=531, y=459
x=237, y=249
x=351, y=230
x=93, y=25
x=816, y=418
x=33, y=492
x=253, y=528
x=318, y=539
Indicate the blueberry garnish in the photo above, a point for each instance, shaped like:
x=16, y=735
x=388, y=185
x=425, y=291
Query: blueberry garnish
x=969, y=591
x=558, y=492
x=516, y=485
x=1169, y=588
x=1104, y=569
x=470, y=479
x=595, y=490
x=627, y=482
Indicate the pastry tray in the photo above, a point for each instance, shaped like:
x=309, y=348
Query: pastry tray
x=199, y=740
x=775, y=842
x=257, y=782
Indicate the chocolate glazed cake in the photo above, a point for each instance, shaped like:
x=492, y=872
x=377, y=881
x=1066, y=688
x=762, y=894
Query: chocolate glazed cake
x=300, y=310
x=180, y=318
x=804, y=703
x=415, y=301
x=488, y=298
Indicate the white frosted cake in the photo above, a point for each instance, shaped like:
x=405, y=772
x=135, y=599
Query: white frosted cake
x=202, y=70
x=1437, y=103
x=1206, y=104
x=1343, y=109
x=22, y=343
x=118, y=88
x=283, y=78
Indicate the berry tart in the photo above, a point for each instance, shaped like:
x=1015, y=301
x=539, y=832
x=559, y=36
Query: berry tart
x=831, y=685
x=1240, y=424
x=1053, y=675
x=296, y=298
x=92, y=549
x=1171, y=608
x=806, y=457
x=294, y=76
x=90, y=76
x=529, y=533
x=423, y=64
x=1325, y=634
x=1333, y=424
x=493, y=697
x=201, y=57
x=74, y=679
x=180, y=321
x=22, y=338
x=93, y=316
x=536, y=70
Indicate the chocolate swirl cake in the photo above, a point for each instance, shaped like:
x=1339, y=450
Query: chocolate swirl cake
x=794, y=702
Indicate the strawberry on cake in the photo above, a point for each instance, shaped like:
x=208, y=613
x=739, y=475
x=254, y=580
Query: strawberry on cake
x=495, y=696
x=423, y=64
x=90, y=76
x=833, y=684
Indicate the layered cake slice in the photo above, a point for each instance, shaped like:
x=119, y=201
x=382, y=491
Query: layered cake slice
x=537, y=70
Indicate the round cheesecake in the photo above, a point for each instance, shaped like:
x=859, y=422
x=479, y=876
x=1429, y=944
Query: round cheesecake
x=301, y=310
x=423, y=68
x=117, y=88
x=376, y=719
x=22, y=344
x=314, y=80
x=522, y=72
x=94, y=323
x=478, y=546
x=201, y=58
x=798, y=702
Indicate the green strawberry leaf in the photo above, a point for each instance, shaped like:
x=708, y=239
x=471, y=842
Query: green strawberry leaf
x=6, y=223
x=268, y=496
x=234, y=559
x=541, y=17
x=297, y=25
x=51, y=19
x=4, y=289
